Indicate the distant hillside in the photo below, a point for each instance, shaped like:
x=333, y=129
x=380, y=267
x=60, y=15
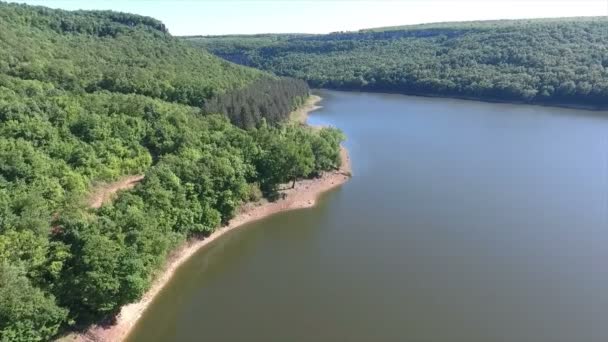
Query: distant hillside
x=89, y=98
x=484, y=24
x=554, y=61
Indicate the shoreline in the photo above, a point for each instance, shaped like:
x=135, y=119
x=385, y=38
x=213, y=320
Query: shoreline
x=304, y=195
x=300, y=115
x=562, y=105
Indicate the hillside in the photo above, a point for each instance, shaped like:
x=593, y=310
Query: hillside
x=88, y=98
x=551, y=61
x=87, y=52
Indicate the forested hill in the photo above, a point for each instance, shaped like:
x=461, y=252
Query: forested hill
x=559, y=61
x=91, y=51
x=91, y=97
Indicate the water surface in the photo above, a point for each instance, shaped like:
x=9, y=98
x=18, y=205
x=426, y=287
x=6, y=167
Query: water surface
x=465, y=221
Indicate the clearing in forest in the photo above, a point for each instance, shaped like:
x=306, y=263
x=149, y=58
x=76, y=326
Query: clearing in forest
x=104, y=192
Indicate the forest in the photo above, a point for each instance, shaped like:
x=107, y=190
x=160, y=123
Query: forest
x=90, y=97
x=548, y=61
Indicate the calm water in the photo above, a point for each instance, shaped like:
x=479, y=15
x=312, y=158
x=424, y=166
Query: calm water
x=465, y=221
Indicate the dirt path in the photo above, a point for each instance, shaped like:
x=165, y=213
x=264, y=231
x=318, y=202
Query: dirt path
x=103, y=193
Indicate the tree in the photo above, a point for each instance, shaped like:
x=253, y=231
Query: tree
x=26, y=312
x=87, y=98
x=536, y=61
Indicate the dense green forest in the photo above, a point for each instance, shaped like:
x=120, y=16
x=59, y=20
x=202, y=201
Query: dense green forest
x=559, y=61
x=90, y=51
x=92, y=96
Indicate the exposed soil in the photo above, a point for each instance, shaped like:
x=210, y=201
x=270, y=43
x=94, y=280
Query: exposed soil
x=103, y=193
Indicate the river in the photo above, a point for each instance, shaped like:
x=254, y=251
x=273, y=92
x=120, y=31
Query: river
x=464, y=221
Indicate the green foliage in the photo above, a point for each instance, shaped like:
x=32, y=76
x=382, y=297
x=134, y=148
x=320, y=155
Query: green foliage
x=94, y=96
x=92, y=51
x=269, y=100
x=291, y=152
x=26, y=313
x=326, y=148
x=537, y=61
x=189, y=191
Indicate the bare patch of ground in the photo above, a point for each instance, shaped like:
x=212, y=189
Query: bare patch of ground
x=103, y=193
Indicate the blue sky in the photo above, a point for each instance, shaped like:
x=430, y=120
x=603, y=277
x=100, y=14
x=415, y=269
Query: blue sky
x=189, y=17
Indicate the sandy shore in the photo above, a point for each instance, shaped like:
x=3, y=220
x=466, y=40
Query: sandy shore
x=301, y=115
x=304, y=195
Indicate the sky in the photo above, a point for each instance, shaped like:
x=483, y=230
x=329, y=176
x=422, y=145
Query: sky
x=214, y=17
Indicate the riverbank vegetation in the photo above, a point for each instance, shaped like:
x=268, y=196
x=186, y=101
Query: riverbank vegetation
x=94, y=96
x=552, y=61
